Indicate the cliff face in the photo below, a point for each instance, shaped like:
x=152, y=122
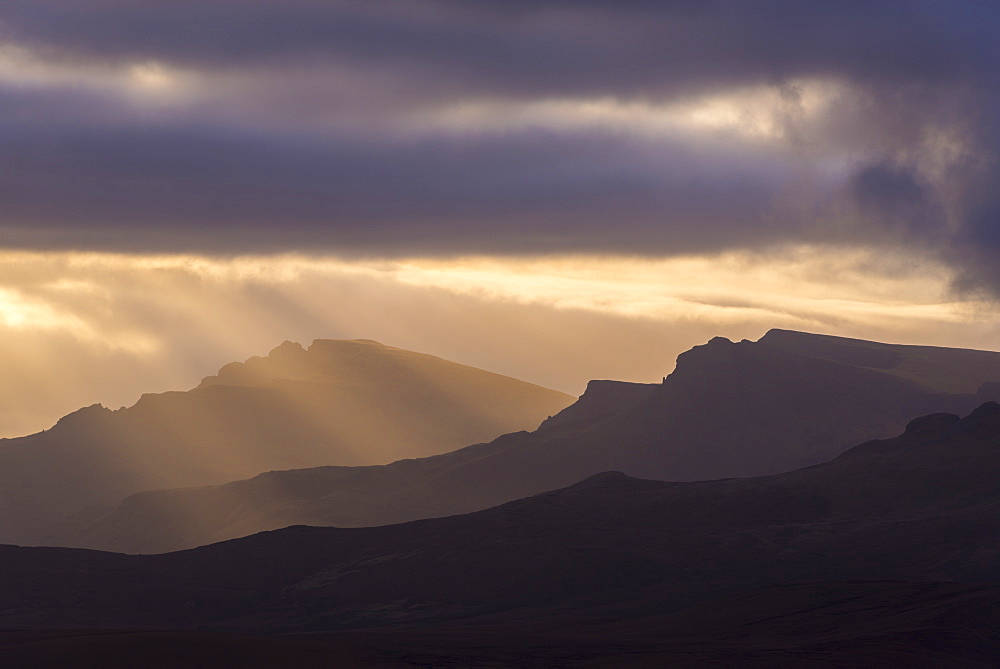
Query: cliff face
x=751, y=408
x=601, y=400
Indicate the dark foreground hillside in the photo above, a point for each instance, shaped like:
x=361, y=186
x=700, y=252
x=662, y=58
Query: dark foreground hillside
x=824, y=624
x=886, y=555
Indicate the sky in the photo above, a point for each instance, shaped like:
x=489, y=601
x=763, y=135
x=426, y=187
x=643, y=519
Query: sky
x=553, y=190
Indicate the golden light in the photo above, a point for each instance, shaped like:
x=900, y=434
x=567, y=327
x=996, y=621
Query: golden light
x=109, y=327
x=151, y=76
x=755, y=113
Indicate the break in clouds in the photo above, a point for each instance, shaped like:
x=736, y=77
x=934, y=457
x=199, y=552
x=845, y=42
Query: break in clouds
x=446, y=127
x=79, y=328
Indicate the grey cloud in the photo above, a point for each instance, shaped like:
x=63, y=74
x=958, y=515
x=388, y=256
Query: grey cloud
x=534, y=190
x=976, y=250
x=293, y=149
x=893, y=197
x=885, y=187
x=506, y=48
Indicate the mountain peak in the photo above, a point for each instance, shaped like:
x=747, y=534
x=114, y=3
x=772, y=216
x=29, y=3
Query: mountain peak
x=287, y=351
x=88, y=415
x=779, y=333
x=604, y=478
x=327, y=343
x=986, y=412
x=602, y=399
x=983, y=416
x=716, y=354
x=782, y=335
x=609, y=477
x=934, y=422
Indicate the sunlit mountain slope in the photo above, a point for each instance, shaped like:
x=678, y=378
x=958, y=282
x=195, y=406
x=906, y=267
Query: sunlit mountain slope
x=337, y=402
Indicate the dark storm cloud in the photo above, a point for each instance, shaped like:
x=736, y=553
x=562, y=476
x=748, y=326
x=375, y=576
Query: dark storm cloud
x=531, y=47
x=893, y=197
x=304, y=127
x=535, y=191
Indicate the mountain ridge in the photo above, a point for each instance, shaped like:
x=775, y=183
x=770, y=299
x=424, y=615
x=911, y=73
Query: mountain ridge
x=610, y=541
x=728, y=410
x=347, y=402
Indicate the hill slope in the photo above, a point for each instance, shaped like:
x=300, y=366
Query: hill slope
x=729, y=409
x=908, y=514
x=337, y=402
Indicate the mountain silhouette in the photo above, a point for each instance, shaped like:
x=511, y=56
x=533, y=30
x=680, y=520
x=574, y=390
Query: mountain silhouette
x=898, y=531
x=337, y=402
x=728, y=410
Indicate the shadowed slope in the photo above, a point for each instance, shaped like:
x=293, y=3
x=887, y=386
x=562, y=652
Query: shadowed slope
x=610, y=572
x=689, y=564
x=819, y=624
x=729, y=409
x=339, y=402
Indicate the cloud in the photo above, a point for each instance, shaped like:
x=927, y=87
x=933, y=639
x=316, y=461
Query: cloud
x=535, y=189
x=548, y=48
x=445, y=127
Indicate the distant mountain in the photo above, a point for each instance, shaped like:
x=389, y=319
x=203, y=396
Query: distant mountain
x=886, y=534
x=337, y=402
x=729, y=409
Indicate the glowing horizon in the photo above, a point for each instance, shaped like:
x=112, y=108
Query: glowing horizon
x=77, y=328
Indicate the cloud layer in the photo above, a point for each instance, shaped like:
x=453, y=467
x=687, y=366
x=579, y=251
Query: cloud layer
x=444, y=127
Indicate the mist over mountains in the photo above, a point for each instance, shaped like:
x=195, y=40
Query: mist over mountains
x=729, y=409
x=919, y=508
x=726, y=515
x=337, y=402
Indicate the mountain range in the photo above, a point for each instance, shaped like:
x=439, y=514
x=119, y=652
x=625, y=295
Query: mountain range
x=338, y=402
x=729, y=409
x=887, y=554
